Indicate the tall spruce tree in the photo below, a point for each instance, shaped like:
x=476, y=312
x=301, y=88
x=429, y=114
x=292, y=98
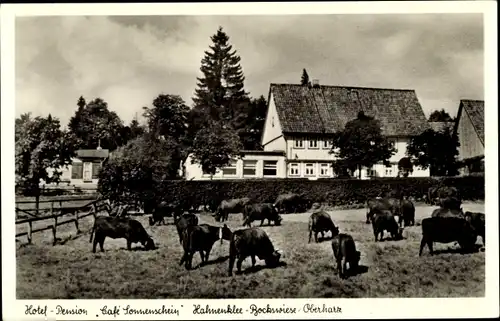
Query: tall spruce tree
x=304, y=80
x=220, y=95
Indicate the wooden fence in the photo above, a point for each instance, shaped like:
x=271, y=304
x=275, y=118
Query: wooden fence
x=79, y=212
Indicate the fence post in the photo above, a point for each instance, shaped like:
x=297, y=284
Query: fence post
x=54, y=231
x=77, y=213
x=51, y=208
x=30, y=233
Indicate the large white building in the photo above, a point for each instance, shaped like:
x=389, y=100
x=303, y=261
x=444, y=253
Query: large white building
x=300, y=119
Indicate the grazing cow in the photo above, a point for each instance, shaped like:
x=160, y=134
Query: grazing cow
x=201, y=238
x=291, y=203
x=321, y=222
x=383, y=204
x=384, y=220
x=477, y=220
x=260, y=212
x=447, y=230
x=119, y=227
x=252, y=242
x=183, y=222
x=165, y=210
x=407, y=210
x=444, y=212
x=235, y=205
x=344, y=251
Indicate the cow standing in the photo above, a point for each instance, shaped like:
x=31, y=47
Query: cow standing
x=183, y=222
x=291, y=203
x=201, y=238
x=407, y=210
x=321, y=222
x=119, y=227
x=165, y=210
x=385, y=220
x=447, y=230
x=344, y=251
x=232, y=206
x=384, y=204
x=251, y=242
x=260, y=212
x=477, y=221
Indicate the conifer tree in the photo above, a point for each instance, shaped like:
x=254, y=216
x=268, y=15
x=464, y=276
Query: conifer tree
x=304, y=81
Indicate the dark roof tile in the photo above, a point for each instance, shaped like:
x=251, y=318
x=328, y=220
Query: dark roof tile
x=475, y=110
x=326, y=109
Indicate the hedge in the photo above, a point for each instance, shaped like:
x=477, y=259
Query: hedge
x=333, y=192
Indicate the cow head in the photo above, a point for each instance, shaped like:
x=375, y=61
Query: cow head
x=400, y=233
x=149, y=244
x=273, y=259
x=278, y=220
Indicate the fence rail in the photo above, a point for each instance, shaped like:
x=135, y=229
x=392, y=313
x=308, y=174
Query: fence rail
x=80, y=212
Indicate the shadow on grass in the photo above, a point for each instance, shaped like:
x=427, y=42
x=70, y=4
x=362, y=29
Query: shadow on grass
x=258, y=268
x=458, y=250
x=211, y=262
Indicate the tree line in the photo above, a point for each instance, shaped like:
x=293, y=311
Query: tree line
x=223, y=120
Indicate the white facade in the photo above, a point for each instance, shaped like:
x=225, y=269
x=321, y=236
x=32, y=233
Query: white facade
x=303, y=156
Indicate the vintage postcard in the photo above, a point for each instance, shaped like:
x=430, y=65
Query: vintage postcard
x=249, y=161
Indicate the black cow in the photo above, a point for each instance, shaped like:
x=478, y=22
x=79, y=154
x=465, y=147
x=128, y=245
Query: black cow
x=407, y=210
x=321, y=222
x=444, y=212
x=344, y=251
x=252, y=242
x=448, y=197
x=385, y=220
x=165, y=210
x=201, y=238
x=291, y=203
x=383, y=204
x=260, y=212
x=183, y=222
x=119, y=227
x=477, y=220
x=235, y=205
x=447, y=230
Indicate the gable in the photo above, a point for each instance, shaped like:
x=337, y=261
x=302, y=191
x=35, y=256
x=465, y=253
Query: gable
x=272, y=126
x=326, y=109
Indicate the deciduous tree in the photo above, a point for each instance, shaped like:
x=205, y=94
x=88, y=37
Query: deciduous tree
x=437, y=150
x=440, y=116
x=361, y=143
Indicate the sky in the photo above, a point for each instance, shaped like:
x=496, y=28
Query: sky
x=129, y=60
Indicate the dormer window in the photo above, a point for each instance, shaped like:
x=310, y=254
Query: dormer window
x=313, y=143
x=272, y=121
x=299, y=143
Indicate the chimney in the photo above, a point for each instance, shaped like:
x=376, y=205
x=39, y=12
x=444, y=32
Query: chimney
x=315, y=83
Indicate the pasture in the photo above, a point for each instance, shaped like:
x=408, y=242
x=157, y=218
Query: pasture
x=389, y=269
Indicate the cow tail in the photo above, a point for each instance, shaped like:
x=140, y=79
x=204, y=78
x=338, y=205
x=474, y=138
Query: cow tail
x=92, y=230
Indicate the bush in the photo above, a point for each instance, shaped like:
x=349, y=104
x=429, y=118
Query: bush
x=334, y=192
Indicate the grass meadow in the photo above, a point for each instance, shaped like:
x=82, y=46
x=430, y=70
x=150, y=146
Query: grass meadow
x=389, y=269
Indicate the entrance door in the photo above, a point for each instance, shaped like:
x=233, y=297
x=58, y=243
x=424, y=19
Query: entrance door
x=87, y=172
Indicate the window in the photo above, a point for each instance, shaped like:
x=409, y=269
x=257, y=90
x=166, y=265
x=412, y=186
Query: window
x=324, y=170
x=249, y=167
x=309, y=169
x=272, y=121
x=96, y=168
x=294, y=169
x=299, y=143
x=230, y=170
x=270, y=168
x=327, y=144
x=77, y=171
x=313, y=143
x=388, y=172
x=370, y=172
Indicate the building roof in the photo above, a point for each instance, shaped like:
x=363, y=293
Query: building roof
x=263, y=152
x=438, y=126
x=326, y=109
x=92, y=153
x=475, y=110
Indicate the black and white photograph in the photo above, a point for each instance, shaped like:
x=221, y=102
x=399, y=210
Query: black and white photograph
x=248, y=156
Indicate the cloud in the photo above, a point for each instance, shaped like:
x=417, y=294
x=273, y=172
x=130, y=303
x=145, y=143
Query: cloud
x=128, y=61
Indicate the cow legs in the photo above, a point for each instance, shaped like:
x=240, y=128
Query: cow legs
x=129, y=245
x=262, y=222
x=101, y=243
x=94, y=245
x=238, y=263
x=422, y=245
x=339, y=265
x=231, y=263
x=253, y=260
x=344, y=268
x=316, y=236
x=310, y=236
